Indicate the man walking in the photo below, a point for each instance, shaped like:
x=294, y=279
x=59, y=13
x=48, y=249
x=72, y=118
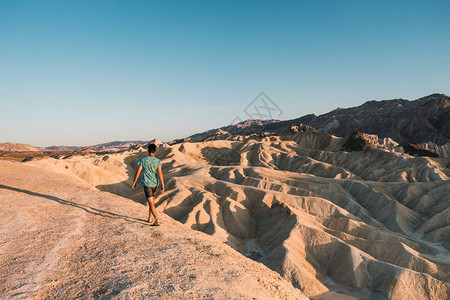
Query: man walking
x=150, y=180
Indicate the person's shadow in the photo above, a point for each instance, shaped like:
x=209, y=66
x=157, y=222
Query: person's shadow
x=86, y=208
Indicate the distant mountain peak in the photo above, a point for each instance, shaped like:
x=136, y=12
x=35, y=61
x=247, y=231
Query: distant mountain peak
x=15, y=147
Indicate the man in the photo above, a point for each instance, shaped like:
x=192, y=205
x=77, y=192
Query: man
x=150, y=181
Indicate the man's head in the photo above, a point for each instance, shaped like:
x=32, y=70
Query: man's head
x=151, y=148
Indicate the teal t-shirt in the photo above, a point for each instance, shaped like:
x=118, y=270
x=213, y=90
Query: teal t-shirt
x=150, y=165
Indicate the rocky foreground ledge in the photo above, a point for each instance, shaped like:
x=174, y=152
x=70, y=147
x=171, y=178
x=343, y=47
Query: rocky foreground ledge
x=61, y=238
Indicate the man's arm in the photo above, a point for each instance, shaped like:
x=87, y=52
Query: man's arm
x=138, y=172
x=161, y=179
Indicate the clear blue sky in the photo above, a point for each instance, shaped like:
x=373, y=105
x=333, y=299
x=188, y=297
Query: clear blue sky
x=87, y=72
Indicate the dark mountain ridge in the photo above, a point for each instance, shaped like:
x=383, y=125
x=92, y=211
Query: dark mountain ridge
x=115, y=145
x=426, y=119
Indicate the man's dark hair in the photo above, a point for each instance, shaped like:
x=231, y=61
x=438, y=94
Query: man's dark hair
x=151, y=148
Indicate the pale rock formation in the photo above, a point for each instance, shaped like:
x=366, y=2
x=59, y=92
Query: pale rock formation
x=63, y=239
x=14, y=147
x=374, y=224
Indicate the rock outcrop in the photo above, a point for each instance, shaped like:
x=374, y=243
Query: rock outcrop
x=442, y=151
x=361, y=141
x=414, y=149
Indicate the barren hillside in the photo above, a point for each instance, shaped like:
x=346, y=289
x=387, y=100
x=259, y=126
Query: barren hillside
x=62, y=239
x=373, y=223
x=13, y=147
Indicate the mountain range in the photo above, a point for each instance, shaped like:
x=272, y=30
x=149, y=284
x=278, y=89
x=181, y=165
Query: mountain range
x=426, y=119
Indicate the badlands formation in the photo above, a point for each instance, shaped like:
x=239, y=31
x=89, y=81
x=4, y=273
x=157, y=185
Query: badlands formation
x=369, y=224
x=63, y=239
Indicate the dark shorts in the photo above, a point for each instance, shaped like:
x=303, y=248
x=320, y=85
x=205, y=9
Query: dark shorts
x=149, y=191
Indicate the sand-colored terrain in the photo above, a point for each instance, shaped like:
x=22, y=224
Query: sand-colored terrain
x=374, y=224
x=63, y=239
x=14, y=147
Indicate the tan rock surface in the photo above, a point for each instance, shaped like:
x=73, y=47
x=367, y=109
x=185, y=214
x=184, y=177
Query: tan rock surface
x=371, y=222
x=62, y=239
x=15, y=147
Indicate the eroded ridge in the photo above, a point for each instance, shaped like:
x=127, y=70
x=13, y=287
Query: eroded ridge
x=374, y=222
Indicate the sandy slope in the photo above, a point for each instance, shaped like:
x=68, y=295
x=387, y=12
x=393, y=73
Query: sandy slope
x=60, y=238
x=375, y=223
x=14, y=147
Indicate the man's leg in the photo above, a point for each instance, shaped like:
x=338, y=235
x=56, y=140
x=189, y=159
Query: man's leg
x=149, y=209
x=152, y=209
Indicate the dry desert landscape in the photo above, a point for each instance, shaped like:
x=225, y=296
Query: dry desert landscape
x=288, y=213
